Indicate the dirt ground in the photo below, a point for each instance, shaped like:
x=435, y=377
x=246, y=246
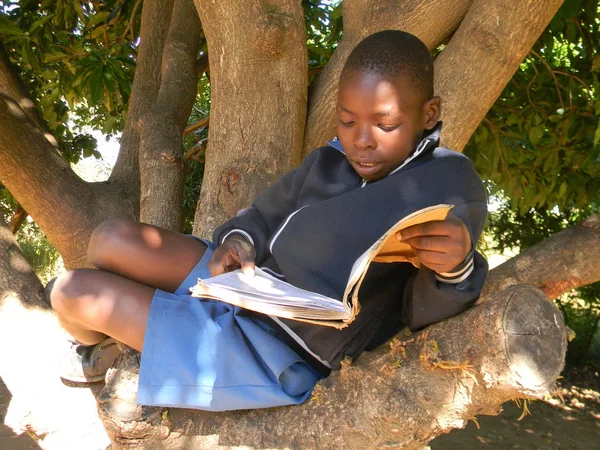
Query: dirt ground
x=552, y=425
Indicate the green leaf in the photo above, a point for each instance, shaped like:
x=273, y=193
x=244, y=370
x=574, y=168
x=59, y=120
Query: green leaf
x=97, y=85
x=535, y=134
x=98, y=18
x=98, y=31
x=562, y=190
x=54, y=57
x=597, y=135
x=40, y=22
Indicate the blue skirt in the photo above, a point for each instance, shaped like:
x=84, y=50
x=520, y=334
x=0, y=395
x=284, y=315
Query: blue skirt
x=209, y=355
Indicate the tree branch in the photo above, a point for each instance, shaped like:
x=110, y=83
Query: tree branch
x=17, y=220
x=402, y=395
x=44, y=184
x=491, y=42
x=14, y=88
x=156, y=16
x=161, y=149
x=564, y=261
x=197, y=125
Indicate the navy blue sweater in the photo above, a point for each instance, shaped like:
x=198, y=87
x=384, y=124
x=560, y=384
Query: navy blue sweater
x=310, y=227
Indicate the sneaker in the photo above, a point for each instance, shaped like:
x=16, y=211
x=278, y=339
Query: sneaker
x=89, y=363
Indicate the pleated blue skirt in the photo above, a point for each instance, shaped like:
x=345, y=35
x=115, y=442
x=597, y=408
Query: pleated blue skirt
x=209, y=355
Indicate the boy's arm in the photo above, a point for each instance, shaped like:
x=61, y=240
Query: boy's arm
x=430, y=296
x=258, y=223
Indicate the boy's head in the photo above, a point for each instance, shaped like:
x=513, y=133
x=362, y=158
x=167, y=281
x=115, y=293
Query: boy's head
x=385, y=102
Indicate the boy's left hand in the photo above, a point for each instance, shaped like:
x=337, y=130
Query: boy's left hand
x=439, y=245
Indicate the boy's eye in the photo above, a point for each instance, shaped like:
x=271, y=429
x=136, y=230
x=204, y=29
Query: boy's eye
x=388, y=127
x=346, y=124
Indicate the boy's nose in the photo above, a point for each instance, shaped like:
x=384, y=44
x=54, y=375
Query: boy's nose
x=363, y=138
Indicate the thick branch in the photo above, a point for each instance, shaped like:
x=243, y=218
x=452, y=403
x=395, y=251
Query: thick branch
x=63, y=205
x=267, y=40
x=402, y=395
x=13, y=87
x=156, y=16
x=161, y=148
x=481, y=57
x=562, y=262
x=431, y=21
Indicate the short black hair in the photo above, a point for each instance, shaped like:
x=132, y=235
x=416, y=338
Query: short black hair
x=393, y=53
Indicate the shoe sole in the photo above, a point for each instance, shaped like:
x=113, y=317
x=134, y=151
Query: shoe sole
x=83, y=380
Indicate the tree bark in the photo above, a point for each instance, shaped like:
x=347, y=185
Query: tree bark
x=162, y=166
x=488, y=47
x=64, y=206
x=14, y=88
x=156, y=16
x=431, y=21
x=258, y=73
x=402, y=395
x=570, y=259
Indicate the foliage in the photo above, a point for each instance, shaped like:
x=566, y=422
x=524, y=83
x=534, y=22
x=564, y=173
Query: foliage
x=74, y=57
x=539, y=144
x=539, y=148
x=324, y=30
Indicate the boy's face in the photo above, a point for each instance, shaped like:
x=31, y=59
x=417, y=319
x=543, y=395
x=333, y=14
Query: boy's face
x=381, y=121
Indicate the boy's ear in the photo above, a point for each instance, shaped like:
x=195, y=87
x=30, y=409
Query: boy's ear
x=433, y=111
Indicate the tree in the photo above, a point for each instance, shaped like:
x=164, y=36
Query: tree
x=263, y=119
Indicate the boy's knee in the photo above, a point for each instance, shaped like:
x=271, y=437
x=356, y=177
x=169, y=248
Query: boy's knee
x=108, y=238
x=67, y=289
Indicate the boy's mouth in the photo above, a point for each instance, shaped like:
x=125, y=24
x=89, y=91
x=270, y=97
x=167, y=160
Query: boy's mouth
x=365, y=169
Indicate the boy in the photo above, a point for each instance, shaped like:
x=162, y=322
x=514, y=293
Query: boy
x=308, y=229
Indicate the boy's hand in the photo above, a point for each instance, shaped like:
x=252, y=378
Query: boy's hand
x=440, y=245
x=235, y=253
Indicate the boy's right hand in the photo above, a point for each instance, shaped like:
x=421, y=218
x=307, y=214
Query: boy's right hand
x=235, y=253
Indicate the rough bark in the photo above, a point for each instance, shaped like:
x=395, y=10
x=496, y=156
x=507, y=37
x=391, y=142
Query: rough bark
x=14, y=88
x=570, y=259
x=28, y=361
x=162, y=166
x=63, y=205
x=258, y=72
x=431, y=21
x=401, y=395
x=484, y=53
x=156, y=16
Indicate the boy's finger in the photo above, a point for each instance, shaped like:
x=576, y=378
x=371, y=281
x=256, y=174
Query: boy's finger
x=433, y=228
x=431, y=243
x=246, y=263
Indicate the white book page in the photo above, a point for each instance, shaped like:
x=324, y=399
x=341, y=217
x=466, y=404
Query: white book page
x=264, y=289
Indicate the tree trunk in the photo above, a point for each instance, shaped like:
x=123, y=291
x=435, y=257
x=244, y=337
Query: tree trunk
x=258, y=73
x=402, y=395
x=431, y=21
x=60, y=416
x=570, y=258
x=162, y=166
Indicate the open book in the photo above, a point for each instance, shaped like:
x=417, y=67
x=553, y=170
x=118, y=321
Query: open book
x=266, y=294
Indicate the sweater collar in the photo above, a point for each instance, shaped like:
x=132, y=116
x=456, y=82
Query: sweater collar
x=430, y=141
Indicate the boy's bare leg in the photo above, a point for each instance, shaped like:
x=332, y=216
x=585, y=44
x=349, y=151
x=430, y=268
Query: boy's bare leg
x=149, y=255
x=91, y=304
x=134, y=259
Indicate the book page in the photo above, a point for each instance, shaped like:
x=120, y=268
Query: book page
x=269, y=295
x=388, y=249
